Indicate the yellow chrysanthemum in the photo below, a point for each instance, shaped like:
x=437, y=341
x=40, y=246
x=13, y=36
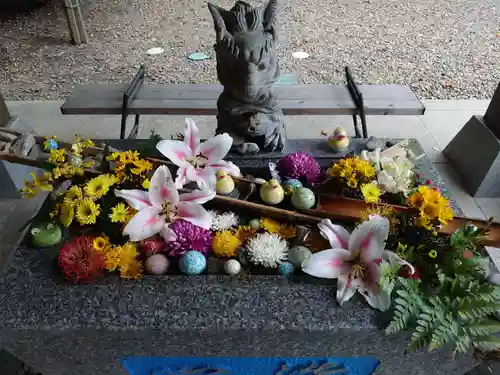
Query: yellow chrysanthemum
x=67, y=214
x=381, y=210
x=244, y=232
x=112, y=257
x=225, y=244
x=128, y=253
x=432, y=206
x=57, y=156
x=371, y=193
x=364, y=167
x=29, y=192
x=131, y=270
x=100, y=243
x=97, y=187
x=87, y=211
x=145, y=183
x=67, y=171
x=119, y=213
x=73, y=195
x=352, y=181
x=56, y=211
x=270, y=225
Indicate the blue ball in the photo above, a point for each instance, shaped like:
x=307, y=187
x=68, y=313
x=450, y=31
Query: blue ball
x=291, y=184
x=52, y=144
x=192, y=263
x=286, y=268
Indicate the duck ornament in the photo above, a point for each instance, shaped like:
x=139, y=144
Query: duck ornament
x=339, y=141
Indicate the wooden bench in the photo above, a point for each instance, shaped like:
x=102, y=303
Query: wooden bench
x=138, y=99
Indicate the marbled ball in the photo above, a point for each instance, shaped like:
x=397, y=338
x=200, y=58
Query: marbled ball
x=303, y=198
x=472, y=228
x=156, y=264
x=75, y=161
x=298, y=254
x=192, y=263
x=291, y=184
x=232, y=267
x=286, y=268
x=52, y=144
x=254, y=223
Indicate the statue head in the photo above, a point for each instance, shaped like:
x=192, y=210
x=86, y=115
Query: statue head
x=246, y=48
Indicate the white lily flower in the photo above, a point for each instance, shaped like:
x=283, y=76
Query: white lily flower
x=198, y=162
x=373, y=157
x=354, y=260
x=162, y=205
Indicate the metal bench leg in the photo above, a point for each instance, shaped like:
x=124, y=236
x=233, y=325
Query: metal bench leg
x=357, y=98
x=128, y=96
x=356, y=128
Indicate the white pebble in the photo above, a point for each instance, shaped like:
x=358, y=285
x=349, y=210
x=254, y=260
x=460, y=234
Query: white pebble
x=232, y=267
x=156, y=264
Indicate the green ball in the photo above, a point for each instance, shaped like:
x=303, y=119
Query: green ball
x=254, y=223
x=303, y=198
x=298, y=254
x=45, y=234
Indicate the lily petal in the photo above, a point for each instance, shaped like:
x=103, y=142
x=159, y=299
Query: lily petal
x=162, y=187
x=394, y=258
x=380, y=301
x=137, y=199
x=328, y=264
x=205, y=177
x=195, y=214
x=216, y=148
x=369, y=238
x=346, y=288
x=145, y=224
x=336, y=234
x=175, y=151
x=181, y=179
x=191, y=137
x=168, y=234
x=227, y=167
x=197, y=196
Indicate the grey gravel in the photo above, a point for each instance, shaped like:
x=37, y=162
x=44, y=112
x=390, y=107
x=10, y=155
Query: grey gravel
x=443, y=49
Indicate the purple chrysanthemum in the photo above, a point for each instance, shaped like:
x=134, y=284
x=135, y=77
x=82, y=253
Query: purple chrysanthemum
x=189, y=237
x=302, y=166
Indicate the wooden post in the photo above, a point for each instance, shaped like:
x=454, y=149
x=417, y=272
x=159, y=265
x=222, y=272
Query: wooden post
x=73, y=13
x=4, y=112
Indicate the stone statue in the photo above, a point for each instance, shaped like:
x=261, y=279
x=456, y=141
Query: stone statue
x=247, y=66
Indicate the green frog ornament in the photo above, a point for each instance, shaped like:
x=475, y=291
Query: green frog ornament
x=45, y=234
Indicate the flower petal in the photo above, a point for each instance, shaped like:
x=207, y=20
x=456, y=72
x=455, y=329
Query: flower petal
x=197, y=196
x=195, y=214
x=369, y=238
x=144, y=224
x=205, y=177
x=191, y=137
x=345, y=289
x=337, y=235
x=168, y=234
x=328, y=264
x=380, y=300
x=216, y=148
x=137, y=199
x=162, y=187
x=394, y=258
x=227, y=167
x=181, y=179
x=175, y=151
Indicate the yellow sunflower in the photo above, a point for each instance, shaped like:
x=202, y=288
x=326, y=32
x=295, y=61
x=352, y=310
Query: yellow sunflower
x=119, y=213
x=73, y=195
x=100, y=243
x=98, y=186
x=87, y=211
x=67, y=214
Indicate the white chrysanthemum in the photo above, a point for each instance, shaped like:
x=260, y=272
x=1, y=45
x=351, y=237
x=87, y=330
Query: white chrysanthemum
x=267, y=249
x=223, y=220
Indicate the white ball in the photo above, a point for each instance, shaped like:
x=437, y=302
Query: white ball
x=157, y=264
x=232, y=267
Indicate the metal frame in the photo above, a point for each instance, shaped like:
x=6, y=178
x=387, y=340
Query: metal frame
x=4, y=112
x=128, y=96
x=357, y=98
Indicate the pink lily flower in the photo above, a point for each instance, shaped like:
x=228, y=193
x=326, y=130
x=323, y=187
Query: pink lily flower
x=354, y=260
x=162, y=205
x=198, y=161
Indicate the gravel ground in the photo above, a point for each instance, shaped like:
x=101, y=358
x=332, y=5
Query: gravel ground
x=443, y=49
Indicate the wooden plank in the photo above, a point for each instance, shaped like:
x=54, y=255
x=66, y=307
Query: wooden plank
x=158, y=99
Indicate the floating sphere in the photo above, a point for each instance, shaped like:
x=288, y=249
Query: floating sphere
x=51, y=144
x=192, y=263
x=254, y=224
x=298, y=254
x=290, y=185
x=232, y=267
x=303, y=198
x=286, y=268
x=157, y=264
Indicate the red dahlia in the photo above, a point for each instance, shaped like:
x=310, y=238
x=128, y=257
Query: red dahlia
x=80, y=262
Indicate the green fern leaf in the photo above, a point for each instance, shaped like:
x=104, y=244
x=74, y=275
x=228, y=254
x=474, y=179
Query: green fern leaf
x=483, y=327
x=446, y=331
x=474, y=309
x=487, y=343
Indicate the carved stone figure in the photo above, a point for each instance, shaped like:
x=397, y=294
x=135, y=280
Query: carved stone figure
x=247, y=66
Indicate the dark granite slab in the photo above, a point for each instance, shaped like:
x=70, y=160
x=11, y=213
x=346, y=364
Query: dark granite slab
x=61, y=329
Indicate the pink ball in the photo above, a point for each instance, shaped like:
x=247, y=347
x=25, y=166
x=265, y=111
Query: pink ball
x=157, y=264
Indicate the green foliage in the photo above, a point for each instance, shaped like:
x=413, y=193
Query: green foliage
x=148, y=147
x=458, y=312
